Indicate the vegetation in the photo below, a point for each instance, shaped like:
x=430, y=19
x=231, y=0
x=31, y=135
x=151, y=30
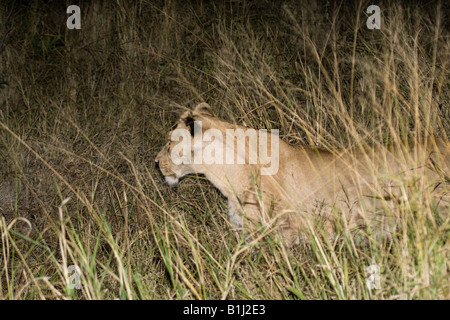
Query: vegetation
x=84, y=112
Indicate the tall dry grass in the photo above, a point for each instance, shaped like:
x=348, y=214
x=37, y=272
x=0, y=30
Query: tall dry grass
x=83, y=113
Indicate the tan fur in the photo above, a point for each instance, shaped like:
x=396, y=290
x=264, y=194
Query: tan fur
x=314, y=186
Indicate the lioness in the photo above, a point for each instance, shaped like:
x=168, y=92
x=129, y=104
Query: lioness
x=309, y=185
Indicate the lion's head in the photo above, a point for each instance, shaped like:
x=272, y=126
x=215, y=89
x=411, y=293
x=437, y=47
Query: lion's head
x=167, y=158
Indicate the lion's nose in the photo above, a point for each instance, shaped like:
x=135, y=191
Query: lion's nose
x=157, y=164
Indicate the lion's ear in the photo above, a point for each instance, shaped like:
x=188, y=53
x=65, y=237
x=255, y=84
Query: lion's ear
x=203, y=109
x=190, y=123
x=188, y=120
